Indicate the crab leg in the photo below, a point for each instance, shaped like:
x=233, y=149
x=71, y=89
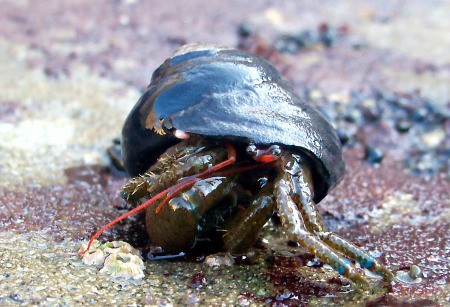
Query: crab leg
x=292, y=222
x=177, y=162
x=189, y=181
x=300, y=179
x=242, y=230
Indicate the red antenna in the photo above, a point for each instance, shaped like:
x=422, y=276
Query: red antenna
x=169, y=193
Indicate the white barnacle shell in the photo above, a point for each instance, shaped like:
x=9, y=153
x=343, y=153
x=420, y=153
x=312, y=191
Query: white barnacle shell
x=117, y=258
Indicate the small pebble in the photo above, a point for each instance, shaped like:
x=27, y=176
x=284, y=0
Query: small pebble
x=434, y=138
x=373, y=155
x=403, y=125
x=219, y=260
x=243, y=301
x=315, y=263
x=327, y=35
x=191, y=298
x=287, y=44
x=343, y=136
x=245, y=30
x=414, y=272
x=353, y=116
x=412, y=276
x=420, y=114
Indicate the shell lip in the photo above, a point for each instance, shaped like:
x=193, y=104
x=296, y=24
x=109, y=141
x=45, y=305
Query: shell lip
x=323, y=180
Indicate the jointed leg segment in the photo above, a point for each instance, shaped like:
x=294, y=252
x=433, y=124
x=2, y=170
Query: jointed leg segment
x=295, y=228
x=295, y=205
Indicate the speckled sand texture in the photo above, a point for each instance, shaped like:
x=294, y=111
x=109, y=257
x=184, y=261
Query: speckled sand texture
x=71, y=71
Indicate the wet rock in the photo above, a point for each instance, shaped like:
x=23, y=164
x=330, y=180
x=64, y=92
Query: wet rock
x=403, y=125
x=373, y=155
x=325, y=35
x=191, y=298
x=245, y=30
x=415, y=272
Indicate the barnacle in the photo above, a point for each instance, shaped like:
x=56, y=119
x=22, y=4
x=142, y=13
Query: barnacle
x=117, y=258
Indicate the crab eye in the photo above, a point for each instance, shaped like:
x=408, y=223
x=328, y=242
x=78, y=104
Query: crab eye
x=266, y=155
x=252, y=150
x=275, y=150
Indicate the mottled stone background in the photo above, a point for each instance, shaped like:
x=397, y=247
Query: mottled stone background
x=70, y=71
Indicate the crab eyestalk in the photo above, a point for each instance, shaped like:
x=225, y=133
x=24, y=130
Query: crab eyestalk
x=266, y=155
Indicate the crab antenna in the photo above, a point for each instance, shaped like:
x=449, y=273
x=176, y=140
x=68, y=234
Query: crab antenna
x=191, y=180
x=124, y=216
x=172, y=191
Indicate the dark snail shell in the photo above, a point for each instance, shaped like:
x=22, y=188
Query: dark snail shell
x=231, y=95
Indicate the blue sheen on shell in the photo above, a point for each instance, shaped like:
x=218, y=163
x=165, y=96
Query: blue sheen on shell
x=231, y=95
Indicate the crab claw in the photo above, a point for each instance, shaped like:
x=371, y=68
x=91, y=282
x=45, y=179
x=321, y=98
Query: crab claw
x=167, y=194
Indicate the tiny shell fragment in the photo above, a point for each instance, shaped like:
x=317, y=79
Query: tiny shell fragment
x=219, y=259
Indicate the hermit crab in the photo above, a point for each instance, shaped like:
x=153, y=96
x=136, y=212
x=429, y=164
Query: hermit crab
x=217, y=144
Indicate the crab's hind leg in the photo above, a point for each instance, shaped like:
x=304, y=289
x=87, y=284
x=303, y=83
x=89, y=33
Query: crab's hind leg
x=299, y=176
x=295, y=228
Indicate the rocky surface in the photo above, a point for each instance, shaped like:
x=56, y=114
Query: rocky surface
x=70, y=73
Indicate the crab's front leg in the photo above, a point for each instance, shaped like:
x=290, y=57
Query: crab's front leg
x=177, y=162
x=294, y=192
x=162, y=193
x=176, y=226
